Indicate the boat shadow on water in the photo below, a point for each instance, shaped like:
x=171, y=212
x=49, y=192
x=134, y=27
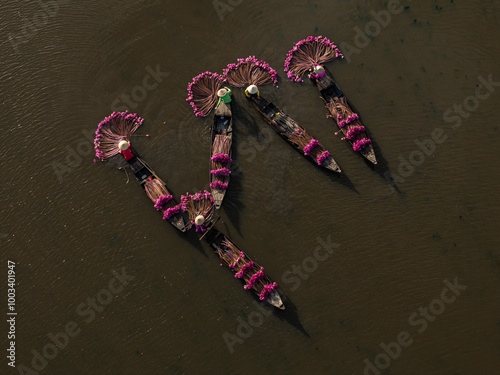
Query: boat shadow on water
x=232, y=205
x=382, y=169
x=194, y=240
x=118, y=163
x=290, y=315
x=341, y=178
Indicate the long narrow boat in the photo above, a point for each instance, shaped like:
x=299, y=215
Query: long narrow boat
x=153, y=186
x=308, y=56
x=222, y=138
x=244, y=268
x=113, y=137
x=293, y=133
x=253, y=73
x=348, y=121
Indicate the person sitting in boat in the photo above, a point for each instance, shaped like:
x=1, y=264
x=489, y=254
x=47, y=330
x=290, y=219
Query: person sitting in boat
x=125, y=150
x=252, y=90
x=318, y=71
x=224, y=95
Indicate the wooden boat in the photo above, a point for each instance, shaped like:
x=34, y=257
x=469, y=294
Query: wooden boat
x=153, y=185
x=288, y=128
x=113, y=137
x=222, y=137
x=243, y=267
x=237, y=261
x=341, y=112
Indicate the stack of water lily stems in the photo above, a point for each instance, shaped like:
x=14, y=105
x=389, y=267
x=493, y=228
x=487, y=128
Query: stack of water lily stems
x=249, y=272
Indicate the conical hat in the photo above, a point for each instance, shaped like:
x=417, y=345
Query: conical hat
x=318, y=69
x=123, y=145
x=252, y=89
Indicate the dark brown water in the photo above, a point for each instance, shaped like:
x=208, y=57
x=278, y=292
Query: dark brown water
x=394, y=251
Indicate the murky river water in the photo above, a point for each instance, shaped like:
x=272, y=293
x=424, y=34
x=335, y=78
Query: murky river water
x=409, y=279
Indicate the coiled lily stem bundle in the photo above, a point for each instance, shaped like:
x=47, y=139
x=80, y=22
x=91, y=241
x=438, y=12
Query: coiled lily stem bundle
x=117, y=127
x=307, y=54
x=202, y=92
x=200, y=208
x=250, y=71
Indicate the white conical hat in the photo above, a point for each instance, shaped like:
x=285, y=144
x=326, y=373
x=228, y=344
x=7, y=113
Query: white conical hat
x=200, y=219
x=123, y=145
x=318, y=69
x=221, y=93
x=252, y=89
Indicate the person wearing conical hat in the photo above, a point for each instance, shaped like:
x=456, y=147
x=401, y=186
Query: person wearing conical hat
x=125, y=150
x=252, y=90
x=199, y=220
x=318, y=71
x=224, y=95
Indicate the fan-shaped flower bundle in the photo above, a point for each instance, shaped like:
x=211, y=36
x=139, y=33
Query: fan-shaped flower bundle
x=250, y=71
x=201, y=203
x=308, y=53
x=117, y=127
x=202, y=92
